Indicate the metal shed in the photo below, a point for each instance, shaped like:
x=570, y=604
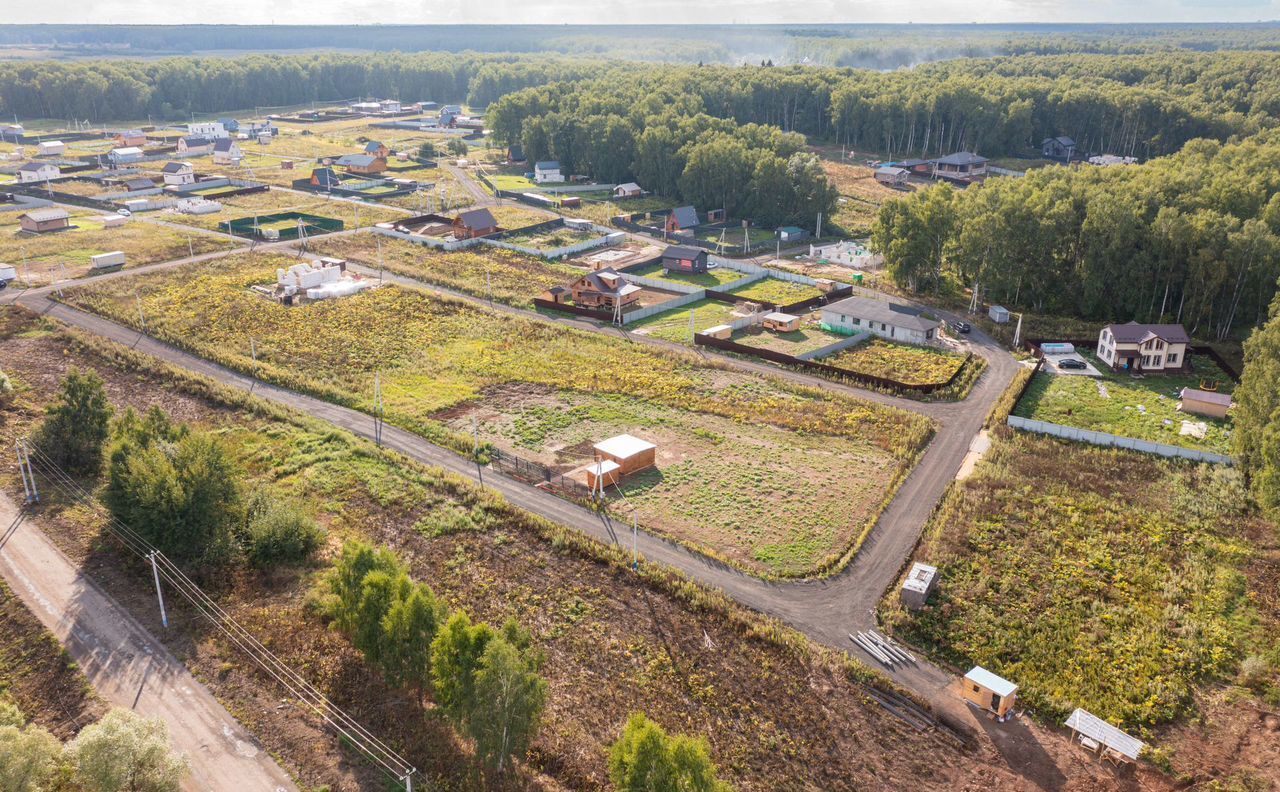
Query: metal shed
x=918, y=585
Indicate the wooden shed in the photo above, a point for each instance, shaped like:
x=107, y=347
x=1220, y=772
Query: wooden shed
x=780, y=322
x=630, y=453
x=602, y=473
x=40, y=221
x=557, y=294
x=1201, y=402
x=988, y=691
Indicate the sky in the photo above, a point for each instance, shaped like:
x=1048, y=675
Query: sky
x=259, y=12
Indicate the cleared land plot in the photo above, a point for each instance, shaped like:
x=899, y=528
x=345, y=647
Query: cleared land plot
x=45, y=258
x=861, y=195
x=550, y=239
x=514, y=215
x=436, y=354
x=513, y=181
x=1143, y=408
x=615, y=641
x=1098, y=578
x=352, y=215
x=674, y=325
x=776, y=292
x=509, y=277
x=603, y=212
x=713, y=278
x=809, y=337
x=911, y=365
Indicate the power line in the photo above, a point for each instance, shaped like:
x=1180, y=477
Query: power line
x=343, y=723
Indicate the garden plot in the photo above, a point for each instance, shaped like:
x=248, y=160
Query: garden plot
x=42, y=259
x=676, y=324
x=1097, y=578
x=808, y=338
x=434, y=354
x=351, y=213
x=1144, y=408
x=504, y=275
x=905, y=363
x=774, y=291
x=713, y=278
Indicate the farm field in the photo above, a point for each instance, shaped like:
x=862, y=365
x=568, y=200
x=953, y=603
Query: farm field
x=913, y=365
x=686, y=656
x=513, y=278
x=42, y=259
x=1145, y=409
x=352, y=214
x=713, y=278
x=438, y=356
x=861, y=194
x=1105, y=579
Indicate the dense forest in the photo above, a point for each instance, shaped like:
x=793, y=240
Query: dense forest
x=1190, y=238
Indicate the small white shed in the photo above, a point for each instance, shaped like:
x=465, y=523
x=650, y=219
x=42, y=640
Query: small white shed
x=50, y=148
x=999, y=314
x=918, y=585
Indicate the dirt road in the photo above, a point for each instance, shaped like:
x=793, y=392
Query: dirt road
x=129, y=668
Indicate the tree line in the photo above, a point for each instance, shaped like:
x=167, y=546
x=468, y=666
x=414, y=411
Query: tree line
x=1191, y=238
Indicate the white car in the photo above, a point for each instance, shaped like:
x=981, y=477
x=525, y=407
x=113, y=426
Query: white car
x=7, y=274
x=124, y=212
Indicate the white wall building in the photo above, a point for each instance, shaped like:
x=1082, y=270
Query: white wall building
x=207, y=129
x=893, y=321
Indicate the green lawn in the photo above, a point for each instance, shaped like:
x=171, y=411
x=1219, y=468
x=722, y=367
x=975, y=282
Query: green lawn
x=905, y=363
x=779, y=292
x=808, y=338
x=1145, y=409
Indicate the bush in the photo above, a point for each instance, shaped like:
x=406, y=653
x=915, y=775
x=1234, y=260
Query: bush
x=125, y=752
x=278, y=532
x=179, y=489
x=1254, y=672
x=6, y=391
x=427, y=150
x=645, y=757
x=76, y=425
x=457, y=147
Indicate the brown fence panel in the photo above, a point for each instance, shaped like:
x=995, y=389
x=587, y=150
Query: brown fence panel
x=604, y=316
x=820, y=300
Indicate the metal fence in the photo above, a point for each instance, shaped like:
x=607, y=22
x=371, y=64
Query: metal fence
x=1116, y=441
x=539, y=474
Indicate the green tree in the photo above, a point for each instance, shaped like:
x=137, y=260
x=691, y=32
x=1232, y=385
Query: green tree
x=457, y=147
x=179, y=489
x=509, y=697
x=346, y=582
x=379, y=591
x=124, y=752
x=77, y=425
x=1256, y=437
x=28, y=753
x=410, y=627
x=646, y=759
x=455, y=658
x=912, y=235
x=427, y=150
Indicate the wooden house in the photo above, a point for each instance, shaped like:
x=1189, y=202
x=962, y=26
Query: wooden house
x=684, y=258
x=475, y=223
x=892, y=176
x=325, y=178
x=1061, y=148
x=681, y=218
x=988, y=691
x=362, y=163
x=377, y=149
x=547, y=171
x=194, y=145
x=131, y=137
x=628, y=190
x=37, y=172
x=138, y=184
x=42, y=221
x=177, y=174
x=558, y=295
x=227, y=152
x=604, y=288
x=780, y=322
x=629, y=453
x=963, y=166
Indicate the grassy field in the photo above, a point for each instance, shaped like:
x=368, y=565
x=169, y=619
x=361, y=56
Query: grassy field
x=1104, y=579
x=603, y=212
x=615, y=641
x=775, y=291
x=550, y=239
x=1146, y=408
x=760, y=237
x=439, y=359
x=713, y=278
x=514, y=278
x=43, y=258
x=912, y=365
x=861, y=195
x=513, y=181
x=352, y=214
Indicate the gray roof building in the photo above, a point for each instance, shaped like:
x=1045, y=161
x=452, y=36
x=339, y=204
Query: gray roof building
x=903, y=316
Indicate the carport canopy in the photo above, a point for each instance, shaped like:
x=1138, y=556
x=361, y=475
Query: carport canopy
x=1089, y=725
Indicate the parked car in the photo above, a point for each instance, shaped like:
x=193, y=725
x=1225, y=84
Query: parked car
x=1071, y=363
x=961, y=327
x=124, y=212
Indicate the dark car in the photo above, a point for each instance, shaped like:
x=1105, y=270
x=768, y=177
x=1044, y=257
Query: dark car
x=1071, y=363
x=961, y=327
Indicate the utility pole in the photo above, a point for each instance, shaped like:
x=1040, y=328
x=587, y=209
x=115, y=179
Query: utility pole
x=377, y=408
x=475, y=448
x=142, y=318
x=692, y=332
x=1017, y=332
x=378, y=239
x=155, y=573
x=29, y=491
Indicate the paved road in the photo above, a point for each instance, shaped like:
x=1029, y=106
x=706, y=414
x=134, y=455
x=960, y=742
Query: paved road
x=130, y=668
